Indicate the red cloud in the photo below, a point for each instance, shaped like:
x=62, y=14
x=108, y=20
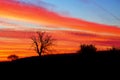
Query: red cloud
x=43, y=16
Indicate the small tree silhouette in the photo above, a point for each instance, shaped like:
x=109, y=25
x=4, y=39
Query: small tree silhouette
x=13, y=57
x=42, y=42
x=87, y=50
x=113, y=49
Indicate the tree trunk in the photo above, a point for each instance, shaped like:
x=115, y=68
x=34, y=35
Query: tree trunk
x=40, y=53
x=41, y=50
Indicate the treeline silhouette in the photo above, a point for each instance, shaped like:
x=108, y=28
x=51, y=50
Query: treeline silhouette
x=87, y=54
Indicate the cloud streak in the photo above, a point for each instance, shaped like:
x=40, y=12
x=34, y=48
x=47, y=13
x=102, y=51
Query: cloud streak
x=43, y=16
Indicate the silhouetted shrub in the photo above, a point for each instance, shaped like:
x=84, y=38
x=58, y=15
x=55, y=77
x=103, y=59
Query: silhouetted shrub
x=114, y=51
x=87, y=50
x=13, y=57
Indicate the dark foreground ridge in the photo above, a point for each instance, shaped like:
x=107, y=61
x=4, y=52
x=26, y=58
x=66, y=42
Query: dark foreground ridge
x=102, y=57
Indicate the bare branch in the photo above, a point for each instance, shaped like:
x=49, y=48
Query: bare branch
x=36, y=44
x=42, y=42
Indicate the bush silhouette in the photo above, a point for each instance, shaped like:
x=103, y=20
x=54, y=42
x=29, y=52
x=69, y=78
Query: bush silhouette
x=87, y=50
x=114, y=51
x=13, y=57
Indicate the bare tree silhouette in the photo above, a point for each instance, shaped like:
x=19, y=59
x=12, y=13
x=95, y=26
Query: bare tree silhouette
x=42, y=42
x=13, y=57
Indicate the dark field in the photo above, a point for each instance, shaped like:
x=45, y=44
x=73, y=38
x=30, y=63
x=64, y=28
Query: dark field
x=100, y=57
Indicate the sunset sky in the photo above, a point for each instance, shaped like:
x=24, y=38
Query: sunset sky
x=70, y=22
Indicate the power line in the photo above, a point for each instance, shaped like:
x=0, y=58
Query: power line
x=105, y=10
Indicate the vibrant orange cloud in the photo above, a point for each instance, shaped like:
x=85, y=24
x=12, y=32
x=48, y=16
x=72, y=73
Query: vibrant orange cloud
x=25, y=12
x=74, y=37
